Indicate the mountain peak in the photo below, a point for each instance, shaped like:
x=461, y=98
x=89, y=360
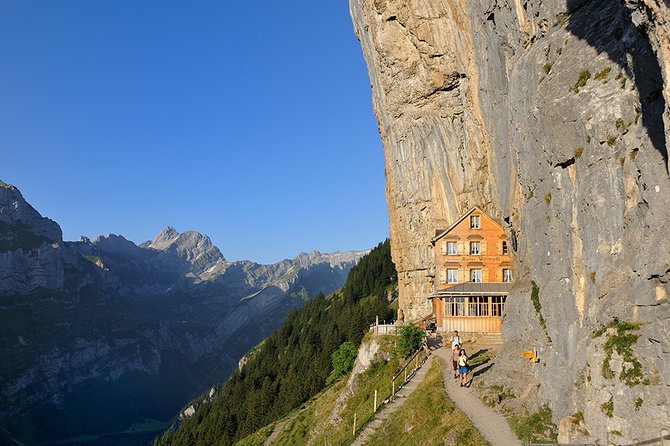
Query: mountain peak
x=165, y=238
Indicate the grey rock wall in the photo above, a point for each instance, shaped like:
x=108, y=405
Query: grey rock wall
x=31, y=255
x=553, y=118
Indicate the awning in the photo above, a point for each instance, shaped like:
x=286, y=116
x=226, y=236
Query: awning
x=476, y=289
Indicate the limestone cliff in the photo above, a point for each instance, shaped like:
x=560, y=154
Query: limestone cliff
x=552, y=117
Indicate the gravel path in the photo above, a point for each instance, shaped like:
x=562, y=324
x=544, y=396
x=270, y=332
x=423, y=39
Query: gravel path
x=489, y=423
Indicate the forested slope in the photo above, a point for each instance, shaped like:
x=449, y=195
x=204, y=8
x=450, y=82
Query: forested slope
x=294, y=362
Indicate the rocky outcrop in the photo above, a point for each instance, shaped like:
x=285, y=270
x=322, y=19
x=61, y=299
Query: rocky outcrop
x=553, y=118
x=31, y=254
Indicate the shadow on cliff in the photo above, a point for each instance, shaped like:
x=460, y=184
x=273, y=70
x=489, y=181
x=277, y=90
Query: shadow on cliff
x=607, y=25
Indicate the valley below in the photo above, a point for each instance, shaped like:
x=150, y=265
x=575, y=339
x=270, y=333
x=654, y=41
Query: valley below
x=104, y=341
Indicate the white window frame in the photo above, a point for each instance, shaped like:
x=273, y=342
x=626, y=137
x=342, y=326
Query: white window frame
x=507, y=271
x=452, y=275
x=476, y=275
x=479, y=248
x=505, y=248
x=452, y=248
x=475, y=222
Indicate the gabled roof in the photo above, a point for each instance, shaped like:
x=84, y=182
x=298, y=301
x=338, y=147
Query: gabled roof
x=461, y=218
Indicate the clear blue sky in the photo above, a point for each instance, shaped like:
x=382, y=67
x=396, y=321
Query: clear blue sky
x=247, y=121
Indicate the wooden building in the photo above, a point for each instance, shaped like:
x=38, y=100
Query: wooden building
x=473, y=274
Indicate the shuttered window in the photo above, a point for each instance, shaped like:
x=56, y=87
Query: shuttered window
x=476, y=275
x=452, y=276
x=452, y=248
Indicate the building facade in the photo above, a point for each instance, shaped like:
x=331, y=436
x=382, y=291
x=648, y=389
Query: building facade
x=473, y=274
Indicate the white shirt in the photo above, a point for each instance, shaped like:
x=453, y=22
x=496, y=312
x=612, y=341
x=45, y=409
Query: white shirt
x=455, y=340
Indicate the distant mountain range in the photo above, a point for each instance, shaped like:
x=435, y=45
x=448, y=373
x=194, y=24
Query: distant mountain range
x=105, y=337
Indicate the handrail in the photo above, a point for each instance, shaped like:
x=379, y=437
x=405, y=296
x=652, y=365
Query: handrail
x=415, y=358
x=419, y=350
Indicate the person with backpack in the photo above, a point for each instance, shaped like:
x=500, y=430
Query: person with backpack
x=463, y=367
x=455, y=339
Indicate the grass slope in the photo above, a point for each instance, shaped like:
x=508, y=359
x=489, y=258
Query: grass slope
x=428, y=417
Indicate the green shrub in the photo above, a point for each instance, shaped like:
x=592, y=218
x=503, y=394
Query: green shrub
x=344, y=357
x=583, y=77
x=535, y=428
x=622, y=342
x=602, y=74
x=578, y=151
x=620, y=125
x=535, y=298
x=409, y=339
x=608, y=408
x=547, y=67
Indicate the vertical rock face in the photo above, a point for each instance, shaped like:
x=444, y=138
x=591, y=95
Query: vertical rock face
x=551, y=117
x=31, y=255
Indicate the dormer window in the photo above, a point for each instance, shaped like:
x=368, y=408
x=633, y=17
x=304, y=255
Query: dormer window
x=474, y=222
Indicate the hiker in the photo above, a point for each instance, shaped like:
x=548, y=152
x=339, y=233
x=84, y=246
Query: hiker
x=455, y=339
x=454, y=359
x=463, y=367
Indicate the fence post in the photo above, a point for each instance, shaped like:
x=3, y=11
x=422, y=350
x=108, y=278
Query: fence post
x=374, y=406
x=393, y=389
x=354, y=428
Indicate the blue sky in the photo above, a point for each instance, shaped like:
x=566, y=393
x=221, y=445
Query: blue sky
x=248, y=121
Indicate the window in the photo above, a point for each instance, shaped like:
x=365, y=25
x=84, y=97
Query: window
x=497, y=306
x=452, y=276
x=454, y=306
x=507, y=275
x=475, y=248
x=504, y=248
x=443, y=276
x=474, y=222
x=476, y=275
x=478, y=306
x=451, y=248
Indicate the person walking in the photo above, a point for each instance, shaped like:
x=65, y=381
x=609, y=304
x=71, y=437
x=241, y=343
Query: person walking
x=455, y=339
x=454, y=359
x=463, y=367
